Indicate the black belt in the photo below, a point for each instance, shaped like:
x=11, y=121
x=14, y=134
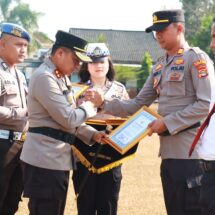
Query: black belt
x=207, y=166
x=166, y=133
x=54, y=133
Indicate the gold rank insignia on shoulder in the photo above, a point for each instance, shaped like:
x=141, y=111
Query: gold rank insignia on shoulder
x=180, y=51
x=58, y=74
x=179, y=61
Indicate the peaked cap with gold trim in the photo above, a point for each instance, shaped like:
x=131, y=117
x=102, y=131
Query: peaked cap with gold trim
x=161, y=19
x=76, y=44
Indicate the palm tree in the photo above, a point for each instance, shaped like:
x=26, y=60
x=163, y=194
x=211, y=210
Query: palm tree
x=20, y=13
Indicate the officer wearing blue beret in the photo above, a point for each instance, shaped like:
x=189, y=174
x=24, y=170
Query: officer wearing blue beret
x=14, y=40
x=15, y=30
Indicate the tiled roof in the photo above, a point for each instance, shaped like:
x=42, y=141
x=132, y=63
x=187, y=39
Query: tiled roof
x=126, y=47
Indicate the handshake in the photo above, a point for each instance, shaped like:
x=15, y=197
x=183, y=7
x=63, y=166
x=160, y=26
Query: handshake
x=95, y=96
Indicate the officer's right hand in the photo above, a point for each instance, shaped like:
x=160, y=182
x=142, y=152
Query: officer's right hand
x=95, y=96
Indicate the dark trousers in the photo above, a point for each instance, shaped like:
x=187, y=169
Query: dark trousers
x=46, y=190
x=11, y=186
x=100, y=193
x=175, y=175
x=207, y=196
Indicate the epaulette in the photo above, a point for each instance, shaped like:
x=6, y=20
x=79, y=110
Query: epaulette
x=200, y=53
x=197, y=50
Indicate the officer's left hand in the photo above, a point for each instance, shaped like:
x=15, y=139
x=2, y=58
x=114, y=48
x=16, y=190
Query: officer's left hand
x=99, y=136
x=157, y=126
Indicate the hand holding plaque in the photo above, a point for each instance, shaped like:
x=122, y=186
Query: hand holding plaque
x=132, y=131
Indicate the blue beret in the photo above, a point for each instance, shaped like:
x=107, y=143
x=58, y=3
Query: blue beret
x=15, y=30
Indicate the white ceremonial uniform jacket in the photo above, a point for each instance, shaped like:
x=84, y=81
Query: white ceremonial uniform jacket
x=183, y=88
x=50, y=106
x=13, y=91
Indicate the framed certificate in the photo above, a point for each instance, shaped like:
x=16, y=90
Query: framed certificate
x=78, y=89
x=131, y=131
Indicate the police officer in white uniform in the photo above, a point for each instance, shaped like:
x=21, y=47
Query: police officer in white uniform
x=181, y=80
x=54, y=121
x=13, y=114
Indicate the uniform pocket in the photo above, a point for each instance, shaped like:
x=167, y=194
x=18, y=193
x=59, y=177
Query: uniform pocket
x=176, y=84
x=10, y=89
x=192, y=199
x=192, y=194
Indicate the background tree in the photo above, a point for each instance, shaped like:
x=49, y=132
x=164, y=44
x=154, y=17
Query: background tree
x=198, y=18
x=144, y=71
x=20, y=13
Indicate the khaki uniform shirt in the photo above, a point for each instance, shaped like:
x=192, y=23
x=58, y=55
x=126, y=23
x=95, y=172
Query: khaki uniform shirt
x=182, y=84
x=50, y=104
x=13, y=91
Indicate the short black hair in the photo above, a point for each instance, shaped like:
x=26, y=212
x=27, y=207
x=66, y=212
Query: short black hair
x=84, y=74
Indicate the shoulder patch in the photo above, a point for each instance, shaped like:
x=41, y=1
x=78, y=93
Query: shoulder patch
x=201, y=66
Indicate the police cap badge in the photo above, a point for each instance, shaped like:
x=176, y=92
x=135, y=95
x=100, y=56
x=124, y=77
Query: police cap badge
x=97, y=51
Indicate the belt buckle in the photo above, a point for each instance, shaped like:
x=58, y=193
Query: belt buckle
x=17, y=135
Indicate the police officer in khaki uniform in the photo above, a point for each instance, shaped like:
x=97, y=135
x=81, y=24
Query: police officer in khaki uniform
x=181, y=80
x=54, y=121
x=100, y=192
x=13, y=49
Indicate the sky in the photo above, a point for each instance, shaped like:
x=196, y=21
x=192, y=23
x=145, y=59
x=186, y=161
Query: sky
x=97, y=14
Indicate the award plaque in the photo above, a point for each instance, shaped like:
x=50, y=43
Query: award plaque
x=78, y=89
x=108, y=157
x=132, y=131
